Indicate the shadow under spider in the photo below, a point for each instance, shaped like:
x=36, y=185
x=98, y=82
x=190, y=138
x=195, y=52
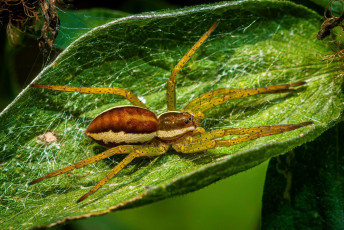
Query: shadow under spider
x=62, y=189
x=158, y=162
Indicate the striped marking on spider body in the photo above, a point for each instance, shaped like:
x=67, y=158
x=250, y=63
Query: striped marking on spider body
x=175, y=124
x=174, y=133
x=123, y=125
x=110, y=137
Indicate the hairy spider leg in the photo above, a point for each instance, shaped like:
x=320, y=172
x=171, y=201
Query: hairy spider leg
x=103, y=90
x=171, y=86
x=108, y=153
x=205, y=141
x=143, y=151
x=240, y=131
x=261, y=90
x=209, y=100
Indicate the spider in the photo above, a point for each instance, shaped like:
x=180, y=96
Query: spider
x=138, y=132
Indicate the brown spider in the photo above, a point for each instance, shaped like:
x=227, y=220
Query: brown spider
x=138, y=132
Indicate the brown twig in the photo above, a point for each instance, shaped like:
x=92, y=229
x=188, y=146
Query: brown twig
x=328, y=25
x=24, y=15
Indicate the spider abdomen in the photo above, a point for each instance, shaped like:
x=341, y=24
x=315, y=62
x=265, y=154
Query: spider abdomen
x=123, y=125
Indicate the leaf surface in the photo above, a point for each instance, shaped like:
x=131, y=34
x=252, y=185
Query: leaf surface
x=304, y=188
x=75, y=23
x=255, y=44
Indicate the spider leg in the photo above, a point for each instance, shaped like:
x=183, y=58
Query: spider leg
x=241, y=131
x=205, y=141
x=110, y=152
x=171, y=86
x=209, y=100
x=140, y=152
x=103, y=90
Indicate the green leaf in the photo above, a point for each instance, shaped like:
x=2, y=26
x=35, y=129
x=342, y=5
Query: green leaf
x=255, y=44
x=304, y=188
x=334, y=8
x=75, y=23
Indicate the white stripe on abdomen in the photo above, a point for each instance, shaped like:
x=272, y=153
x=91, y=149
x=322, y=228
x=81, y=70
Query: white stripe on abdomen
x=120, y=137
x=170, y=134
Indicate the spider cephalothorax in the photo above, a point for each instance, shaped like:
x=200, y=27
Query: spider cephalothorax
x=138, y=132
x=175, y=124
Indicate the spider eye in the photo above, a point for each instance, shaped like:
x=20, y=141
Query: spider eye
x=186, y=121
x=190, y=118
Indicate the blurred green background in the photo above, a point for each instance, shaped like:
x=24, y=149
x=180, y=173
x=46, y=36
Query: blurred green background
x=233, y=203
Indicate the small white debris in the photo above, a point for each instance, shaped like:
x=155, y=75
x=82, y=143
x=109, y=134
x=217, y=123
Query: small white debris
x=48, y=137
